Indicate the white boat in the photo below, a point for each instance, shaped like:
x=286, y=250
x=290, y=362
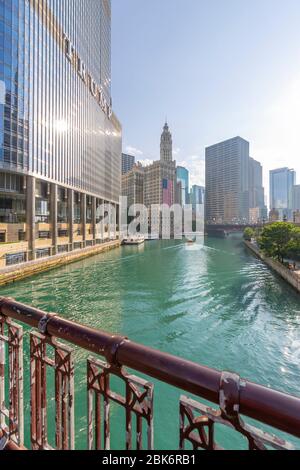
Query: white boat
x=134, y=241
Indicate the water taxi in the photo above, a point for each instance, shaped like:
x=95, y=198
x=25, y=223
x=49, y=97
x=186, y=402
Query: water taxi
x=190, y=240
x=133, y=241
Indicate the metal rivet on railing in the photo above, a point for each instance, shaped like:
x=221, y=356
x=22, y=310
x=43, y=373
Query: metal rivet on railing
x=43, y=323
x=229, y=394
x=111, y=350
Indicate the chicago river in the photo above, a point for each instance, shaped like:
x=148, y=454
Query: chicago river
x=218, y=306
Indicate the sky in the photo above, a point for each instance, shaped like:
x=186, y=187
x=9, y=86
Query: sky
x=215, y=69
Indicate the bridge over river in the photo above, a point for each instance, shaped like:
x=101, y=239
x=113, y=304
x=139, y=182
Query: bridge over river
x=220, y=230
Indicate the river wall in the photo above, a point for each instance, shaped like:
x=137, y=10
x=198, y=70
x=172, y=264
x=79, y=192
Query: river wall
x=21, y=271
x=293, y=278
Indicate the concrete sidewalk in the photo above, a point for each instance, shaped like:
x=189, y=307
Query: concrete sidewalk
x=20, y=271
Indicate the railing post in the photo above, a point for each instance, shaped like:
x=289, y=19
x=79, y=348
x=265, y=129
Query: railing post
x=2, y=375
x=11, y=415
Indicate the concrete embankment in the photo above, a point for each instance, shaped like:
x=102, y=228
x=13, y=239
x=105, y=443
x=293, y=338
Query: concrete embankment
x=21, y=271
x=292, y=277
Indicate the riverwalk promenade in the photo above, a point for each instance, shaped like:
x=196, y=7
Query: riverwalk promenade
x=292, y=277
x=23, y=270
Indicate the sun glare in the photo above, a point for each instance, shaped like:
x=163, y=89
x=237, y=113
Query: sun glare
x=61, y=126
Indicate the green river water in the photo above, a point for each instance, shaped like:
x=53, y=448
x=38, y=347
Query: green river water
x=218, y=306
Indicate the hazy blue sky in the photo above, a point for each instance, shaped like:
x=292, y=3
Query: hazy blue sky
x=216, y=69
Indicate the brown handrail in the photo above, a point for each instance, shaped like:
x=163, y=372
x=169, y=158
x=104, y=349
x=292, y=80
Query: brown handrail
x=268, y=406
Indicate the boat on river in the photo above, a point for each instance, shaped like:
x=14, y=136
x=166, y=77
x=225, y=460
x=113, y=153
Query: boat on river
x=133, y=240
x=190, y=240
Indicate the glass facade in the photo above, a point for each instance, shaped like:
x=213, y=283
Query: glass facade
x=296, y=198
x=197, y=195
x=50, y=124
x=56, y=123
x=282, y=182
x=128, y=162
x=183, y=177
x=12, y=199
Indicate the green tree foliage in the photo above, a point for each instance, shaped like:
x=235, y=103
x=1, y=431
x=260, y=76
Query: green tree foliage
x=293, y=246
x=277, y=239
x=249, y=233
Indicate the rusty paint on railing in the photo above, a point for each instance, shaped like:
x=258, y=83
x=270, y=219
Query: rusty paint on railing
x=11, y=417
x=234, y=396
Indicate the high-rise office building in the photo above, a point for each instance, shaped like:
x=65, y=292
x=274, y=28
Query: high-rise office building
x=159, y=186
x=257, y=206
x=227, y=182
x=274, y=215
x=296, y=198
x=256, y=189
x=60, y=142
x=128, y=162
x=296, y=217
x=133, y=185
x=197, y=195
x=183, y=177
x=282, y=181
x=178, y=193
x=197, y=199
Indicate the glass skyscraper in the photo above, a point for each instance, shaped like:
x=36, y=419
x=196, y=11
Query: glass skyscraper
x=282, y=181
x=183, y=177
x=296, y=198
x=197, y=195
x=128, y=162
x=60, y=142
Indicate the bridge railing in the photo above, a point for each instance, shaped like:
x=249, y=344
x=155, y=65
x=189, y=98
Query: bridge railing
x=52, y=341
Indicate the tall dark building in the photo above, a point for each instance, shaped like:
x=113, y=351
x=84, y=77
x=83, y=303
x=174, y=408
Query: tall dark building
x=60, y=142
x=257, y=207
x=227, y=182
x=128, y=162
